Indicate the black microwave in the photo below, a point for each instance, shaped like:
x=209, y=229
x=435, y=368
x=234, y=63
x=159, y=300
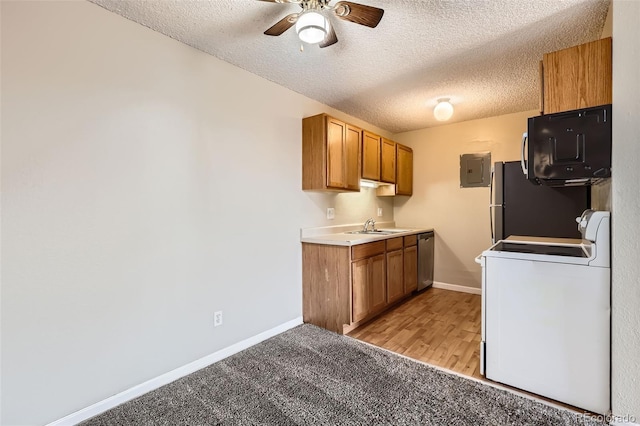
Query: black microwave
x=568, y=148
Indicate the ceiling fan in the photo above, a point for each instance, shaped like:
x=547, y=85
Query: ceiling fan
x=313, y=27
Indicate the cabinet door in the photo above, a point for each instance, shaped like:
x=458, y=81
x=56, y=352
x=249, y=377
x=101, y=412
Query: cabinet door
x=335, y=153
x=410, y=269
x=388, y=162
x=377, y=284
x=395, y=267
x=404, y=181
x=577, y=77
x=360, y=272
x=352, y=143
x=370, y=156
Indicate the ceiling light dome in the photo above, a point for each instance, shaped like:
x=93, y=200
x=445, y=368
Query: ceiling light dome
x=444, y=110
x=312, y=27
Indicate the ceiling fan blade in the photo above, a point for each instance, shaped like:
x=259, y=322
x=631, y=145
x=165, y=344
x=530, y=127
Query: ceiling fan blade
x=282, y=25
x=359, y=13
x=282, y=1
x=330, y=39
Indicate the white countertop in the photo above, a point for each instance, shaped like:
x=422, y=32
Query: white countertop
x=337, y=236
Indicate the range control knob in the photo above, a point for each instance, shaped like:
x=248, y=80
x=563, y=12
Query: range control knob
x=582, y=223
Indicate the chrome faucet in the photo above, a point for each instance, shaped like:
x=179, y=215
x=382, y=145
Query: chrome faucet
x=366, y=225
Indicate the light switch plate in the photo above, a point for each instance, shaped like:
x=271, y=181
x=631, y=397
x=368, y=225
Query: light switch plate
x=331, y=213
x=379, y=211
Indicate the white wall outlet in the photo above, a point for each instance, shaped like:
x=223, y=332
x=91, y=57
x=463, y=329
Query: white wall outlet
x=379, y=211
x=331, y=213
x=217, y=318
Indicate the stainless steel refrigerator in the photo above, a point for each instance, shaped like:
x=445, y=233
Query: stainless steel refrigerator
x=518, y=207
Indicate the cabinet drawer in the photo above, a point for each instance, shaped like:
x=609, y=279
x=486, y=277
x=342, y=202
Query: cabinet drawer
x=394, y=244
x=367, y=250
x=410, y=240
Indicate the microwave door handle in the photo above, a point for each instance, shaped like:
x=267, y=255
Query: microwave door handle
x=523, y=162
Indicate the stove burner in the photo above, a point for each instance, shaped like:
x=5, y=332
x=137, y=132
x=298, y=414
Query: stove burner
x=548, y=250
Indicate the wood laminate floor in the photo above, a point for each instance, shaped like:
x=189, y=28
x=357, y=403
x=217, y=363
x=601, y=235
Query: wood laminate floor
x=439, y=327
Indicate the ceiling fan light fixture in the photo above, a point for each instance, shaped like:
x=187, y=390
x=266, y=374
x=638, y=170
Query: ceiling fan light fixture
x=312, y=27
x=444, y=110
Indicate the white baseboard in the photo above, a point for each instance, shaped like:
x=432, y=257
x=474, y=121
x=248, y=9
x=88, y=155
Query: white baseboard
x=456, y=287
x=155, y=383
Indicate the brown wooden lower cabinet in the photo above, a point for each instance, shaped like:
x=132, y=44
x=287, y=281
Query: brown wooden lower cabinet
x=377, y=284
x=326, y=286
x=395, y=287
x=343, y=287
x=361, y=271
x=410, y=269
x=368, y=283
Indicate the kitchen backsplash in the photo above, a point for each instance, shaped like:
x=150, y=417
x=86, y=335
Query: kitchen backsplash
x=353, y=207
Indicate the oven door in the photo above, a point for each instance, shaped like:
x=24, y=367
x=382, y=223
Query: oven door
x=546, y=329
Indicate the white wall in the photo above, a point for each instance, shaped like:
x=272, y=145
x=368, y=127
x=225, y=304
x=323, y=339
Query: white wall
x=626, y=205
x=145, y=185
x=460, y=216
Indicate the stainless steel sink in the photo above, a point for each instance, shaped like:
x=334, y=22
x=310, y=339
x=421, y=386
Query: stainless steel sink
x=394, y=231
x=374, y=232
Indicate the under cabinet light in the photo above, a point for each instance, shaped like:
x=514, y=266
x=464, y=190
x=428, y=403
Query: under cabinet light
x=369, y=183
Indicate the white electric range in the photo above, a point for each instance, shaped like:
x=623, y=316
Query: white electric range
x=546, y=308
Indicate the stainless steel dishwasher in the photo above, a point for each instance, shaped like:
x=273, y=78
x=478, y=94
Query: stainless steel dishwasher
x=425, y=260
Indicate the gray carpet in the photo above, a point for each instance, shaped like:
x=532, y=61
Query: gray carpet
x=309, y=376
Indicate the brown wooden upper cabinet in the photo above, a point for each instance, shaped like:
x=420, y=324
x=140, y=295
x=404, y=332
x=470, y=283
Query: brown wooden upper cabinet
x=404, y=170
x=577, y=77
x=330, y=154
x=370, y=156
x=378, y=158
x=388, y=162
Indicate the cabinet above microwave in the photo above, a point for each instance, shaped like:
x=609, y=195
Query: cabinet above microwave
x=568, y=148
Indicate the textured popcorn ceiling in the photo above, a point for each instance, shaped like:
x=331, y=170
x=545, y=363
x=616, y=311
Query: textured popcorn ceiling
x=483, y=54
